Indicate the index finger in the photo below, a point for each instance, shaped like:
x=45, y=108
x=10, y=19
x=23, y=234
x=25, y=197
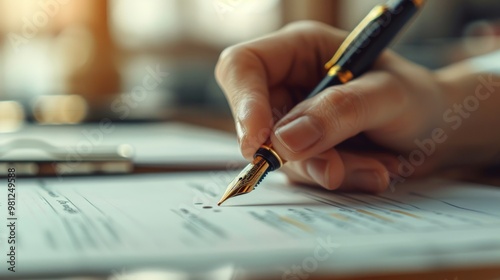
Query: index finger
x=292, y=56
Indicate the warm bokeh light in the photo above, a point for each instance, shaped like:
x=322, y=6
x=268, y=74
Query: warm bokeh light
x=96, y=48
x=12, y=116
x=60, y=109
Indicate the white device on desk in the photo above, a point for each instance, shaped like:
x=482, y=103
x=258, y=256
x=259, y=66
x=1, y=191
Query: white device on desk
x=106, y=148
x=35, y=157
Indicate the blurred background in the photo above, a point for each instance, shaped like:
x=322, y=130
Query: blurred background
x=73, y=61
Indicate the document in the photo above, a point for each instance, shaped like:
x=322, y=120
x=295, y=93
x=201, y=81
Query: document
x=117, y=224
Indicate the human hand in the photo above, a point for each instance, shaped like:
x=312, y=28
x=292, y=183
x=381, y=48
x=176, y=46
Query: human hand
x=392, y=105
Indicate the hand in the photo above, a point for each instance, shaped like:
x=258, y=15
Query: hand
x=392, y=105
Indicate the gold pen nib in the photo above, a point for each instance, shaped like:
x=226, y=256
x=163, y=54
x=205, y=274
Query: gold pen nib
x=247, y=180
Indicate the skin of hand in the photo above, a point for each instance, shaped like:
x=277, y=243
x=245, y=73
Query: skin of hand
x=350, y=136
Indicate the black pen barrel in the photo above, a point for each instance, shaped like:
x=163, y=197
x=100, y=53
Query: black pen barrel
x=328, y=81
x=385, y=22
x=378, y=34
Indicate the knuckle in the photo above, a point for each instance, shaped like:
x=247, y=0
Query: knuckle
x=228, y=57
x=398, y=93
x=345, y=107
x=230, y=61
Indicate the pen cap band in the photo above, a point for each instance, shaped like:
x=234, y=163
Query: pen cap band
x=270, y=156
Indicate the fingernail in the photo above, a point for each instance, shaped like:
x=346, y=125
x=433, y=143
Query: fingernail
x=366, y=180
x=299, y=134
x=316, y=168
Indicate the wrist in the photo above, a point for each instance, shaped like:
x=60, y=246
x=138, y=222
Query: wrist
x=469, y=115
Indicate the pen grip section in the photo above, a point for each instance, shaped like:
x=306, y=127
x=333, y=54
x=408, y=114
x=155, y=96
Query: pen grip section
x=270, y=156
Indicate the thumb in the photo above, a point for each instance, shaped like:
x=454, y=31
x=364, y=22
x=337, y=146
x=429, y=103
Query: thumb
x=337, y=169
x=338, y=113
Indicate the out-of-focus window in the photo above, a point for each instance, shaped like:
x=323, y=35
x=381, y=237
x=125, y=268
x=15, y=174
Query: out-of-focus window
x=227, y=22
x=217, y=22
x=136, y=24
x=184, y=38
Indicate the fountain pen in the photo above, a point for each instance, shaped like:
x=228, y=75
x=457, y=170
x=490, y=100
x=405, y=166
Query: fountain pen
x=354, y=57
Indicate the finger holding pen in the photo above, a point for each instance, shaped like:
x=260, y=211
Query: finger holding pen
x=384, y=103
x=262, y=75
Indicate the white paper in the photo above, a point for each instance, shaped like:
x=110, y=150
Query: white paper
x=114, y=224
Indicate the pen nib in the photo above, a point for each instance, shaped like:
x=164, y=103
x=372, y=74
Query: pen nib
x=247, y=180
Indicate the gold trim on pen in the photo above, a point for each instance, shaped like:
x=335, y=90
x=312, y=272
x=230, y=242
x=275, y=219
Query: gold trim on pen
x=343, y=75
x=270, y=149
x=376, y=12
x=418, y=3
x=247, y=179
